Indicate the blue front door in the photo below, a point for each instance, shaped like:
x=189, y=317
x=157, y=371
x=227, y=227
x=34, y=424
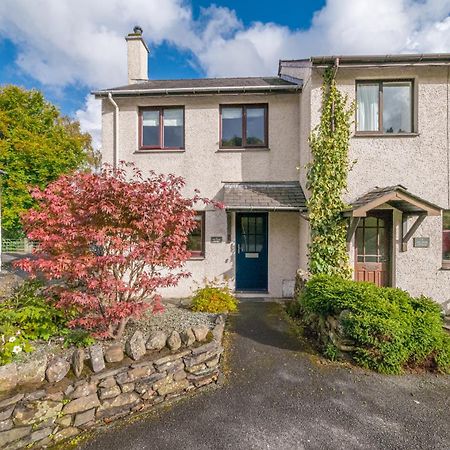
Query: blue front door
x=251, y=251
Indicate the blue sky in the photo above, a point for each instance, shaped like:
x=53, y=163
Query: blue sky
x=166, y=60
x=68, y=48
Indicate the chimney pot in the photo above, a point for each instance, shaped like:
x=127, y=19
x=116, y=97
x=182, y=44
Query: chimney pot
x=137, y=51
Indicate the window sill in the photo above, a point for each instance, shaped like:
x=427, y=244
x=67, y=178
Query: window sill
x=243, y=149
x=386, y=135
x=196, y=258
x=445, y=266
x=160, y=150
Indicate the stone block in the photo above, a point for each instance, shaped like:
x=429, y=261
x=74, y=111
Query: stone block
x=121, y=401
x=83, y=390
x=14, y=434
x=187, y=337
x=32, y=371
x=128, y=387
x=38, y=411
x=84, y=417
x=135, y=346
x=8, y=377
x=114, y=353
x=171, y=366
x=110, y=392
x=41, y=434
x=218, y=332
x=57, y=370
x=174, y=341
x=78, y=358
x=11, y=400
x=156, y=341
x=6, y=425
x=81, y=404
x=180, y=375
x=36, y=395
x=6, y=413
x=66, y=434
x=64, y=421
x=96, y=357
x=171, y=357
x=200, y=332
x=107, y=383
x=174, y=386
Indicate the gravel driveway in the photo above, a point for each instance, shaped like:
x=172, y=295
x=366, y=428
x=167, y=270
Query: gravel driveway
x=279, y=397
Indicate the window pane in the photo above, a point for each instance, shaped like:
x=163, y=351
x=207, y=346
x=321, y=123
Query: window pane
x=367, y=107
x=446, y=236
x=256, y=124
x=195, y=238
x=173, y=128
x=397, y=107
x=232, y=127
x=370, y=241
x=150, y=128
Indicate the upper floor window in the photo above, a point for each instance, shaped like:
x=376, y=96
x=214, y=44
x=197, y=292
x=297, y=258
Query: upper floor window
x=243, y=126
x=446, y=237
x=196, y=238
x=384, y=106
x=161, y=128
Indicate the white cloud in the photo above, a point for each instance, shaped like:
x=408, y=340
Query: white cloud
x=89, y=119
x=61, y=42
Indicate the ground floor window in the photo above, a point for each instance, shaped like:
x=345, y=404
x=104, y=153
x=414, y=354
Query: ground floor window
x=196, y=239
x=446, y=238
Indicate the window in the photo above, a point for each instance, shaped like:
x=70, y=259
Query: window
x=384, y=107
x=243, y=126
x=446, y=237
x=161, y=128
x=196, y=239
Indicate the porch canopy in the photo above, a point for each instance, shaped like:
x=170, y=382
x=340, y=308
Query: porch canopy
x=264, y=196
x=397, y=197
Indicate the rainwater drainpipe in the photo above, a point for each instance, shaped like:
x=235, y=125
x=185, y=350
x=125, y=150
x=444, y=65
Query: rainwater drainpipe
x=116, y=131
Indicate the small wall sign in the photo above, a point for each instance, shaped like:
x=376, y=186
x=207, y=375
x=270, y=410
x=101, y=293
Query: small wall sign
x=216, y=239
x=421, y=242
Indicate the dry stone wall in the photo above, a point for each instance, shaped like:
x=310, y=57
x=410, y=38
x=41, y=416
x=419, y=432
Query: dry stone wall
x=117, y=381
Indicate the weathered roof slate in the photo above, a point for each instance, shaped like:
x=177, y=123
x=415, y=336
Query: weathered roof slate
x=286, y=195
x=396, y=196
x=202, y=84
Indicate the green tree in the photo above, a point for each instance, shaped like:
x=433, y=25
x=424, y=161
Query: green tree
x=37, y=144
x=327, y=179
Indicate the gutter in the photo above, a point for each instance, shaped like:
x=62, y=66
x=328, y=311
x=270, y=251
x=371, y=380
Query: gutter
x=198, y=90
x=116, y=131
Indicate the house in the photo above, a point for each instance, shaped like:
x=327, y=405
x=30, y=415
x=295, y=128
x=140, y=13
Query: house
x=244, y=141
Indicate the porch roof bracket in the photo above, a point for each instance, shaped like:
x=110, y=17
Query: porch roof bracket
x=407, y=234
x=354, y=222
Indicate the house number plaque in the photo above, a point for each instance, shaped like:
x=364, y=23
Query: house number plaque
x=421, y=242
x=216, y=239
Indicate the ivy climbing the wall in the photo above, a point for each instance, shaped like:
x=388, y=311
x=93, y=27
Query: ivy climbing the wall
x=327, y=180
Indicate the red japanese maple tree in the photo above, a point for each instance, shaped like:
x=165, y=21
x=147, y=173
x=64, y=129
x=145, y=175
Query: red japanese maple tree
x=111, y=239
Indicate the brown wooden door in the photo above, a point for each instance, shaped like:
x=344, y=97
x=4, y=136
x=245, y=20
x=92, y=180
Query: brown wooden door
x=373, y=248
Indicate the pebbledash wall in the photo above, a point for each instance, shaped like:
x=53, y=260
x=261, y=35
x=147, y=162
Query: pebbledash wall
x=39, y=413
x=419, y=162
x=205, y=167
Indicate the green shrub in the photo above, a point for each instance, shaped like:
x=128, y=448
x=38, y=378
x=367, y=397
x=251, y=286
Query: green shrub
x=28, y=316
x=78, y=338
x=214, y=298
x=390, y=329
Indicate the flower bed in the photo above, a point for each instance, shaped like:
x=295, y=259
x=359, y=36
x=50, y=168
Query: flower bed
x=48, y=399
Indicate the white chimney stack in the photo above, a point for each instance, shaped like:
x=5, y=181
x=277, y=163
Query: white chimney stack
x=137, y=51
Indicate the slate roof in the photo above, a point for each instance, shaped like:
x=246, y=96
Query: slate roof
x=283, y=195
x=396, y=196
x=213, y=84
